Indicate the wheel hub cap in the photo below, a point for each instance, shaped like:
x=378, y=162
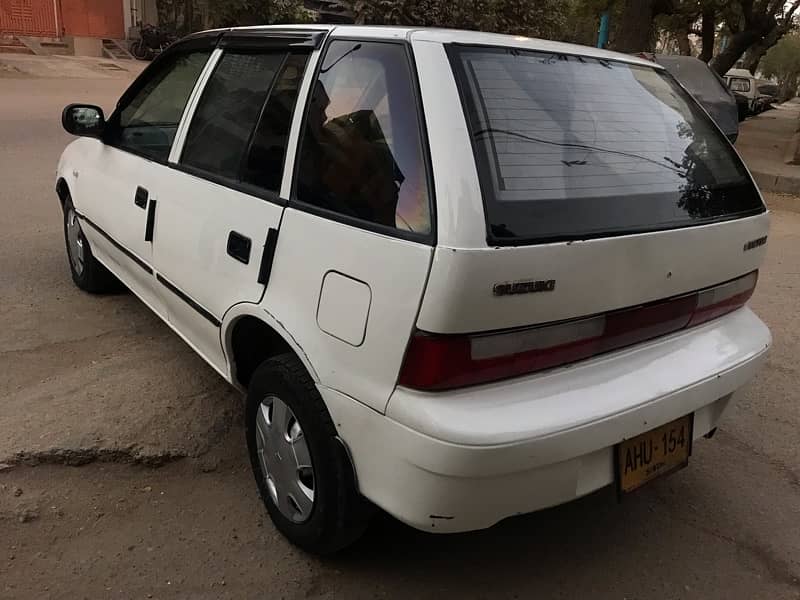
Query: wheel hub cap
x=75, y=241
x=285, y=459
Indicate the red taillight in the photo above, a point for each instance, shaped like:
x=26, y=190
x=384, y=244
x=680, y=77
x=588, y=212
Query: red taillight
x=438, y=362
x=722, y=299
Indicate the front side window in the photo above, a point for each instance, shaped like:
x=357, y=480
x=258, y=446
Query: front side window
x=739, y=84
x=361, y=154
x=147, y=122
x=570, y=147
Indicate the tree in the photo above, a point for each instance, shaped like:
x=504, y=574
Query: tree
x=753, y=22
x=537, y=18
x=230, y=13
x=634, y=29
x=752, y=26
x=708, y=31
x=760, y=48
x=583, y=21
x=673, y=20
x=188, y=16
x=782, y=61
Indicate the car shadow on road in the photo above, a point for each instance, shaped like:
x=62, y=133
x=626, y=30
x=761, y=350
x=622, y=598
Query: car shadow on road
x=587, y=516
x=654, y=543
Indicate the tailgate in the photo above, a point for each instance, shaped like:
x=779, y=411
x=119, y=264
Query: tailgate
x=466, y=291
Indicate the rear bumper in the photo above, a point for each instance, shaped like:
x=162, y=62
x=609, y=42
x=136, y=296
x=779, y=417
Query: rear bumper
x=463, y=460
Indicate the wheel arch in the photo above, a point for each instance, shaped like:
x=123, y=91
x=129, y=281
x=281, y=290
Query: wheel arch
x=62, y=190
x=250, y=335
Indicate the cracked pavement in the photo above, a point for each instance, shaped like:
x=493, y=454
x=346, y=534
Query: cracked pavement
x=96, y=392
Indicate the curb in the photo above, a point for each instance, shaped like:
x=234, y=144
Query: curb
x=777, y=183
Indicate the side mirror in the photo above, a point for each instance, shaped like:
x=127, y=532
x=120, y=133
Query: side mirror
x=83, y=119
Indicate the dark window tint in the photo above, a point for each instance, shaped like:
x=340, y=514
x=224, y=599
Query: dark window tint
x=148, y=121
x=768, y=89
x=361, y=153
x=227, y=113
x=738, y=84
x=264, y=164
x=570, y=147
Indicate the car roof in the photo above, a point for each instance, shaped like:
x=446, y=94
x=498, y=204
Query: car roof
x=448, y=36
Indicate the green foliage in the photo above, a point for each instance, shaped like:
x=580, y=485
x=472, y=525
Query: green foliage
x=539, y=18
x=783, y=59
x=783, y=63
x=230, y=13
x=583, y=20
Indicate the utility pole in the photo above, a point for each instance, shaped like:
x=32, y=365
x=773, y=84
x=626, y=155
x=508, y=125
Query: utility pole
x=602, y=35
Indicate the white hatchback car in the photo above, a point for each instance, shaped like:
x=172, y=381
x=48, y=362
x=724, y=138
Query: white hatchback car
x=461, y=276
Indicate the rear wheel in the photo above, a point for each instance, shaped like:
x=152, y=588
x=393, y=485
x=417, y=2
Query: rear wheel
x=138, y=49
x=87, y=273
x=302, y=471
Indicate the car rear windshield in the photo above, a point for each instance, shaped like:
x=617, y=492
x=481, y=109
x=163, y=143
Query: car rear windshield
x=571, y=147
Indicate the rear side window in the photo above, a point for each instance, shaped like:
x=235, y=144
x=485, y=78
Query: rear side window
x=265, y=158
x=571, y=147
x=361, y=154
x=227, y=112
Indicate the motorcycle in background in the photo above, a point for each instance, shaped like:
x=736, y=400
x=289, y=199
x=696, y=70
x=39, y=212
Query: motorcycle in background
x=152, y=42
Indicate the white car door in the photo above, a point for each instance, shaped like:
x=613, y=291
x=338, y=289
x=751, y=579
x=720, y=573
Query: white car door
x=219, y=206
x=111, y=194
x=356, y=241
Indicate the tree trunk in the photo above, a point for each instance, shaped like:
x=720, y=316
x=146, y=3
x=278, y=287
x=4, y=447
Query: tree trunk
x=754, y=56
x=787, y=89
x=188, y=16
x=633, y=31
x=709, y=27
x=737, y=46
x=761, y=32
x=759, y=49
x=684, y=47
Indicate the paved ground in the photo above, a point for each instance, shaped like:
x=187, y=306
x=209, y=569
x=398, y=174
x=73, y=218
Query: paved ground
x=101, y=382
x=766, y=141
x=72, y=67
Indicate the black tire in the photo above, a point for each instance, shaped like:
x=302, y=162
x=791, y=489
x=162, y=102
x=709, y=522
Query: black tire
x=339, y=515
x=138, y=49
x=93, y=277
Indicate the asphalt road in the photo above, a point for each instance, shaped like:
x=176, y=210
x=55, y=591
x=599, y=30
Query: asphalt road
x=123, y=472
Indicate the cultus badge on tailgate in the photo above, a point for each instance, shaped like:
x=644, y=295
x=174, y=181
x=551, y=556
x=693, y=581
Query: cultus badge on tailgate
x=524, y=287
x=755, y=243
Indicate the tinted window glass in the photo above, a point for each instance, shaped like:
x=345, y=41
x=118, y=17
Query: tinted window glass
x=769, y=89
x=147, y=124
x=569, y=147
x=228, y=111
x=739, y=84
x=361, y=153
x=264, y=164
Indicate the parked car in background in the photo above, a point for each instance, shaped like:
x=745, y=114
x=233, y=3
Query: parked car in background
x=759, y=93
x=742, y=105
x=459, y=276
x=768, y=93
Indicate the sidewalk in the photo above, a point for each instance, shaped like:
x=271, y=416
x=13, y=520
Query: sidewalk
x=766, y=142
x=25, y=66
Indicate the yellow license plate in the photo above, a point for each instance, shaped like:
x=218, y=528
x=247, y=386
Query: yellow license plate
x=654, y=453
